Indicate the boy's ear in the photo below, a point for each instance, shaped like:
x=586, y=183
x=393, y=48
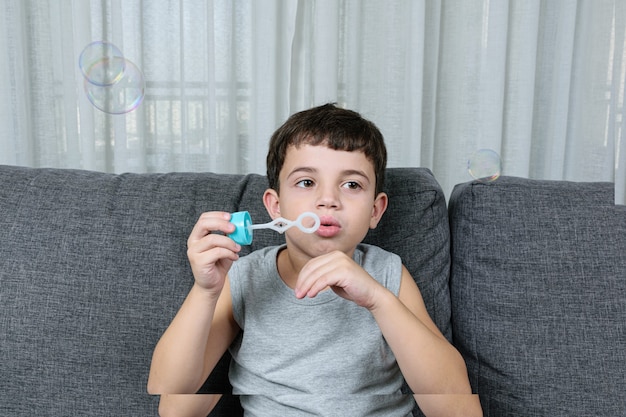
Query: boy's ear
x=380, y=205
x=271, y=202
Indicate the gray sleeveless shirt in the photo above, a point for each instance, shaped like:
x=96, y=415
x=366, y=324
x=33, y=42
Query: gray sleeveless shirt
x=322, y=356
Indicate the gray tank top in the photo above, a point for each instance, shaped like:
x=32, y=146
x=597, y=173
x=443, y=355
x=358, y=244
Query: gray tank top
x=323, y=356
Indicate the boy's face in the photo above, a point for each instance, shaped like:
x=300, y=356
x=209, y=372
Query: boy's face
x=338, y=186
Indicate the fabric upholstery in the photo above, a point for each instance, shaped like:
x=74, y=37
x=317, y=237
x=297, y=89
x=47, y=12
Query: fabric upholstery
x=93, y=268
x=538, y=287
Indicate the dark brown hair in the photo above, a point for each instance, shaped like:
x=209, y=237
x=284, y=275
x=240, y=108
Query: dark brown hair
x=331, y=126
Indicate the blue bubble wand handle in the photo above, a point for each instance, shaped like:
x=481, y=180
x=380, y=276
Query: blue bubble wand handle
x=244, y=227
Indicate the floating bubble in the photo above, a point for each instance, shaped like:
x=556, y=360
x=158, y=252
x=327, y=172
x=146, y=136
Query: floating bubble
x=122, y=96
x=102, y=63
x=485, y=165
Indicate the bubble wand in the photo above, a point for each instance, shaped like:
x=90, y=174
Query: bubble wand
x=244, y=227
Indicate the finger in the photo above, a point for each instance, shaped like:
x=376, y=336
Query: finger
x=212, y=241
x=316, y=276
x=306, y=277
x=213, y=256
x=217, y=259
x=211, y=222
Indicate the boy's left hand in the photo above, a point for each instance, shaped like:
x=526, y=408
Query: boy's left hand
x=339, y=272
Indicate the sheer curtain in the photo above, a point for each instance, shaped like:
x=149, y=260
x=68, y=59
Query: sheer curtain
x=542, y=83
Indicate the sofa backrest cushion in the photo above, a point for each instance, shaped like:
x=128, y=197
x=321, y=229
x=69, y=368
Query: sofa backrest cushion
x=93, y=268
x=537, y=287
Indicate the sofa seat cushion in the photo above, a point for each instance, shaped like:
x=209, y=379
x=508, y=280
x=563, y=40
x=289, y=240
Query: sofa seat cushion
x=537, y=287
x=93, y=268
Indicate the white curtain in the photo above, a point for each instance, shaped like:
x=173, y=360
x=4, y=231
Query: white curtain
x=540, y=82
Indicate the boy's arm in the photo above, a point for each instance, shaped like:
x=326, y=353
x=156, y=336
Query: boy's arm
x=193, y=343
x=429, y=363
x=204, y=326
x=446, y=405
x=187, y=405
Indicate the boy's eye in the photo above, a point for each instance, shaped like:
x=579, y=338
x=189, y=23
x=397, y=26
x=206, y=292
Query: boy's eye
x=352, y=185
x=305, y=183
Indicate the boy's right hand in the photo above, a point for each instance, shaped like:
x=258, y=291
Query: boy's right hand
x=211, y=254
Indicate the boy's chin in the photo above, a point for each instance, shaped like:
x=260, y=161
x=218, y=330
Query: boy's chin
x=322, y=247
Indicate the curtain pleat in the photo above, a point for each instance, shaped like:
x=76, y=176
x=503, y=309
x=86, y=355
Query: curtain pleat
x=540, y=82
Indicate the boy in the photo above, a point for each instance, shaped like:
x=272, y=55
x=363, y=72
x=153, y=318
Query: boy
x=324, y=324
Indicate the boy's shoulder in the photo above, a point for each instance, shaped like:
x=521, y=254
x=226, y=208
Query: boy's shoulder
x=384, y=266
x=367, y=253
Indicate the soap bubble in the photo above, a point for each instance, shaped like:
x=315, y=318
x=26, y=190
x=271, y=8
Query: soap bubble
x=484, y=165
x=112, y=83
x=120, y=97
x=102, y=63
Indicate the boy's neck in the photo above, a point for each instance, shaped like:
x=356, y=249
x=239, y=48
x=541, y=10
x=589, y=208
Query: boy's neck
x=288, y=268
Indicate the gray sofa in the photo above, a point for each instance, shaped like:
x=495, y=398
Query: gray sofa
x=527, y=278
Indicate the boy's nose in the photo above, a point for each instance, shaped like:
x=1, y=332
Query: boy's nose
x=328, y=198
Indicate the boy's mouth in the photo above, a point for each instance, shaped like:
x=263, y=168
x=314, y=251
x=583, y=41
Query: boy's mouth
x=329, y=226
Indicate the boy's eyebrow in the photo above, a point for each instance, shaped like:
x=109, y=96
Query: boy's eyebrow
x=350, y=172
x=311, y=170
x=304, y=169
x=297, y=170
